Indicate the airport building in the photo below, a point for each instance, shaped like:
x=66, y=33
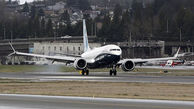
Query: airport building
x=60, y=48
x=74, y=46
x=141, y=49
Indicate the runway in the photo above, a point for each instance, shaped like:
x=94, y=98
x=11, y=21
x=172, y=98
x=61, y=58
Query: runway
x=96, y=76
x=12, y=101
x=168, y=67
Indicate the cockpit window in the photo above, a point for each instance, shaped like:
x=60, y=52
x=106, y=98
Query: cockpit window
x=114, y=49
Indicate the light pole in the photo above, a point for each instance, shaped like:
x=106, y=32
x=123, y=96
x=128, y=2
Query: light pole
x=130, y=37
x=95, y=29
x=92, y=29
x=180, y=37
x=11, y=35
x=54, y=35
x=35, y=35
x=4, y=33
x=167, y=26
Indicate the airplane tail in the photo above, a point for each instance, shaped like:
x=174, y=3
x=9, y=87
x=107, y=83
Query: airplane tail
x=176, y=55
x=85, y=37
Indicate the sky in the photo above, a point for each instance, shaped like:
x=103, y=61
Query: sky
x=23, y=1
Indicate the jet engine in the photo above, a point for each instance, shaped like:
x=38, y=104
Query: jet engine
x=80, y=64
x=128, y=65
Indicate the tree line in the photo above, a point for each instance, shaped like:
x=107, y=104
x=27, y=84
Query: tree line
x=31, y=22
x=168, y=20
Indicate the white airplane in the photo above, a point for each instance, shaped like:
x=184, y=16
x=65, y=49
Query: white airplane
x=101, y=57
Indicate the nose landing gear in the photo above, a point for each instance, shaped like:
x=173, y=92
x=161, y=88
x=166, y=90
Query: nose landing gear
x=113, y=71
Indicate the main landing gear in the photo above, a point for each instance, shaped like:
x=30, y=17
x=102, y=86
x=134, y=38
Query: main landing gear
x=84, y=72
x=113, y=71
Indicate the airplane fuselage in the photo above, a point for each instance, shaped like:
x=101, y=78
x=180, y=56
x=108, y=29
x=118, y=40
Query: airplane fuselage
x=102, y=56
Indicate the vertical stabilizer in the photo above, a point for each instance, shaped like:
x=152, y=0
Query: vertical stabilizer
x=85, y=37
x=176, y=55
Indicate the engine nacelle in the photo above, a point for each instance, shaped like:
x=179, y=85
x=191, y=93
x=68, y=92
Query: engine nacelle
x=128, y=65
x=80, y=64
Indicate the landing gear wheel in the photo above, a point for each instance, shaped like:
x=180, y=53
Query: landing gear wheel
x=111, y=72
x=83, y=72
x=115, y=72
x=87, y=72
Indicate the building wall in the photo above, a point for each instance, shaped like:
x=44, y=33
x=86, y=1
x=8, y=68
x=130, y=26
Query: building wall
x=142, y=49
x=53, y=48
x=58, y=6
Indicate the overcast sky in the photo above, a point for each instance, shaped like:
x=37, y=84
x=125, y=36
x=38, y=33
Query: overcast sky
x=23, y=1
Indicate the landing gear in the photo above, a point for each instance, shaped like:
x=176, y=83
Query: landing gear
x=113, y=71
x=82, y=72
x=85, y=72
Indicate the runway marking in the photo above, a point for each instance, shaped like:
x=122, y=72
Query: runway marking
x=92, y=103
x=98, y=79
x=8, y=107
x=169, y=68
x=90, y=100
x=75, y=77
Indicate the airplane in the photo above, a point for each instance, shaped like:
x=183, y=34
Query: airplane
x=172, y=63
x=107, y=56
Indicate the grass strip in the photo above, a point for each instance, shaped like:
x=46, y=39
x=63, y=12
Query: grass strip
x=161, y=91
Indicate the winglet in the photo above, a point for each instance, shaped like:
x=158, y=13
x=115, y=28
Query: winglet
x=14, y=51
x=12, y=47
x=176, y=55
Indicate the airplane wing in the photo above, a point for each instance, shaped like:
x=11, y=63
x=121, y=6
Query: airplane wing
x=54, y=58
x=67, y=58
x=140, y=61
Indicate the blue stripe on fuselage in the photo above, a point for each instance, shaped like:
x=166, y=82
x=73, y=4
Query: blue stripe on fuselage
x=104, y=60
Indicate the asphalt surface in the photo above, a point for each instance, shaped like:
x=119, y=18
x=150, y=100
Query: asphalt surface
x=96, y=76
x=11, y=101
x=168, y=67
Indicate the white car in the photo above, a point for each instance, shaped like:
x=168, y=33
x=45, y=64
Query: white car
x=67, y=36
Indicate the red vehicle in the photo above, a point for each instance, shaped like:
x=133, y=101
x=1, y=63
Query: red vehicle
x=172, y=63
